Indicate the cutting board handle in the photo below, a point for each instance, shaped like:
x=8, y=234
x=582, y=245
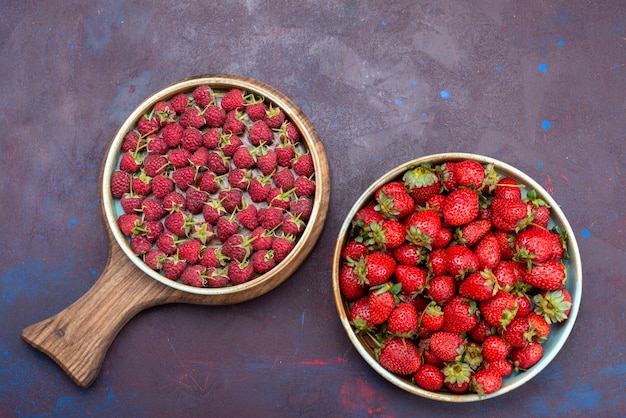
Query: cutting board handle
x=78, y=337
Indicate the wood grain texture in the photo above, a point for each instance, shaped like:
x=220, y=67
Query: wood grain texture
x=78, y=337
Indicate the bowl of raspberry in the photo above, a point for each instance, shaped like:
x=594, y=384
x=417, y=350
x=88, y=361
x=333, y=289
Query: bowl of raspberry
x=457, y=277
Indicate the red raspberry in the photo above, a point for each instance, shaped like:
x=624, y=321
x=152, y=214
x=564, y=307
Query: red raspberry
x=233, y=100
x=179, y=157
x=202, y=95
x=172, y=135
x=179, y=103
x=192, y=139
x=191, y=117
x=260, y=133
x=184, y=177
x=120, y=184
x=211, y=138
x=215, y=116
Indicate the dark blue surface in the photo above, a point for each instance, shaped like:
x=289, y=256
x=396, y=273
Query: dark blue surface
x=538, y=85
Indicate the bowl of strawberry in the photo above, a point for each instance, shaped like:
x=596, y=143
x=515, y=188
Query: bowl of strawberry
x=457, y=277
x=217, y=186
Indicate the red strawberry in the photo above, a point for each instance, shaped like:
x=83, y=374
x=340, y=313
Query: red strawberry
x=351, y=287
x=553, y=305
x=469, y=173
x=446, y=175
x=459, y=315
x=447, y=346
x=259, y=133
x=190, y=251
x=400, y=356
x=481, y=331
x=486, y=381
x=233, y=100
x=500, y=310
x=524, y=358
x=240, y=272
x=427, y=353
x=436, y=262
x=460, y=207
x=381, y=303
x=432, y=317
x=422, y=183
x=393, y=201
x=509, y=215
x=423, y=226
x=194, y=276
x=533, y=245
x=458, y=377
x=403, y=320
x=504, y=367
x=407, y=254
x=441, y=289
x=472, y=232
x=508, y=189
x=263, y=261
x=388, y=234
x=461, y=261
x=488, y=252
x=479, y=286
x=506, y=241
x=412, y=279
x=429, y=377
x=539, y=327
x=516, y=332
x=547, y=276
x=375, y=268
x=203, y=95
x=495, y=348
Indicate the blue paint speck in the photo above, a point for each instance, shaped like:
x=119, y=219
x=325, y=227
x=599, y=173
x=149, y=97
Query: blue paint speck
x=618, y=28
x=539, y=164
x=586, y=233
x=399, y=102
x=73, y=222
x=444, y=94
x=543, y=67
x=561, y=42
x=545, y=125
x=414, y=83
x=383, y=23
x=6, y=354
x=94, y=273
x=498, y=68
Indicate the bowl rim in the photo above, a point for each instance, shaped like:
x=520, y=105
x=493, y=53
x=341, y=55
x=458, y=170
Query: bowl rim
x=309, y=137
x=574, y=279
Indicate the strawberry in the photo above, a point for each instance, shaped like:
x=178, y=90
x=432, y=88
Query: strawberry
x=400, y=356
x=436, y=262
x=423, y=226
x=375, y=268
x=460, y=207
x=303, y=165
x=539, y=209
x=233, y=100
x=259, y=133
x=351, y=287
x=393, y=201
x=263, y=261
x=412, y=278
x=447, y=346
x=446, y=175
x=459, y=315
x=553, y=305
x=443, y=239
x=524, y=358
x=481, y=331
x=479, y=286
x=359, y=315
x=473, y=356
x=504, y=367
x=202, y=95
x=458, y=377
x=403, y=320
x=486, y=381
x=506, y=242
x=382, y=302
x=366, y=216
x=469, y=173
x=516, y=333
x=422, y=183
x=547, y=276
x=509, y=215
x=432, y=317
x=539, y=327
x=407, y=254
x=471, y=233
x=194, y=276
x=240, y=272
x=192, y=118
x=508, y=189
x=499, y=310
x=387, y=234
x=429, y=377
x=494, y=347
x=488, y=252
x=441, y=289
x=533, y=245
x=461, y=261
x=436, y=202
